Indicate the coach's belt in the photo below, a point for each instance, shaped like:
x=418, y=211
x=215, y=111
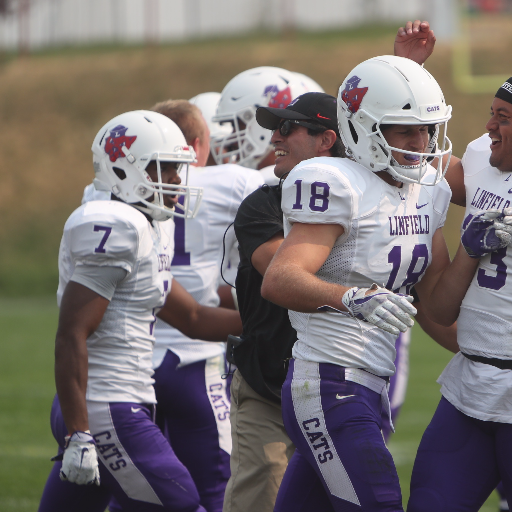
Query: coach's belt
x=502, y=364
x=378, y=384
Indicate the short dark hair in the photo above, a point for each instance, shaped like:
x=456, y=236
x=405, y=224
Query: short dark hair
x=336, y=150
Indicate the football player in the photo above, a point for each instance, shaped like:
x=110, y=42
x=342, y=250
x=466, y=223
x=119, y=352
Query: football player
x=193, y=399
x=247, y=143
x=114, y=280
x=261, y=445
x=375, y=217
x=207, y=102
x=465, y=450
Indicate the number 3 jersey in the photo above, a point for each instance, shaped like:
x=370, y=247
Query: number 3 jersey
x=484, y=326
x=387, y=240
x=112, y=233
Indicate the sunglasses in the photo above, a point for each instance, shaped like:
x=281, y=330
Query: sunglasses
x=286, y=126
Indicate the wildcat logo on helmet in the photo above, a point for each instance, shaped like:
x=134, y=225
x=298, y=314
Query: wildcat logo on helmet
x=278, y=99
x=116, y=140
x=352, y=94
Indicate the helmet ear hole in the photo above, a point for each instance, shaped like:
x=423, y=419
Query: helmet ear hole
x=353, y=132
x=407, y=107
x=119, y=173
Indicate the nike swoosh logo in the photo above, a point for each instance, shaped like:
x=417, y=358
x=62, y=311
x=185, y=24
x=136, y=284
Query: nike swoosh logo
x=322, y=117
x=342, y=397
x=235, y=99
x=84, y=451
x=421, y=206
x=510, y=191
x=136, y=409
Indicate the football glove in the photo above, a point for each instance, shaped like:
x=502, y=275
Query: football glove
x=391, y=312
x=487, y=232
x=80, y=460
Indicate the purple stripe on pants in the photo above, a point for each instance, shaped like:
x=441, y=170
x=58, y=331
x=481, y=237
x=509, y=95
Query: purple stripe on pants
x=194, y=415
x=137, y=465
x=342, y=458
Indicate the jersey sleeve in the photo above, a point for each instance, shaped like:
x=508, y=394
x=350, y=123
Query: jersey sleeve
x=318, y=195
x=476, y=156
x=107, y=241
x=442, y=197
x=102, y=280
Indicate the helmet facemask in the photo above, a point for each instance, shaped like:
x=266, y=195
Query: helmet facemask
x=124, y=148
x=154, y=204
x=247, y=144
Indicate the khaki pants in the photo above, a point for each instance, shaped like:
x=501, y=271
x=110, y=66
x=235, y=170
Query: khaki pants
x=261, y=450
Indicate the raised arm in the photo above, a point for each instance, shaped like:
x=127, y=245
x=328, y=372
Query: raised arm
x=184, y=313
x=415, y=41
x=455, y=178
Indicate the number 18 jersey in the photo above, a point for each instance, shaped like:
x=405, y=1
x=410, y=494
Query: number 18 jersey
x=387, y=240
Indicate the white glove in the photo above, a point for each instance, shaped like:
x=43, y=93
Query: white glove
x=503, y=226
x=80, y=460
x=391, y=312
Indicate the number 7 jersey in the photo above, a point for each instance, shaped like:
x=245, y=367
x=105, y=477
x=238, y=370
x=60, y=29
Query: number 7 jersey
x=115, y=234
x=387, y=240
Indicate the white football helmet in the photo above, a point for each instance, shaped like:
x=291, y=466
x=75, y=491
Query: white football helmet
x=309, y=83
x=248, y=143
x=393, y=90
x=123, y=148
x=207, y=103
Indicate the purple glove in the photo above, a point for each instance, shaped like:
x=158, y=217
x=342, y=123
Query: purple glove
x=485, y=233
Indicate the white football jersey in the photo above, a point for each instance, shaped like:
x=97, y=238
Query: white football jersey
x=112, y=233
x=387, y=240
x=199, y=249
x=484, y=326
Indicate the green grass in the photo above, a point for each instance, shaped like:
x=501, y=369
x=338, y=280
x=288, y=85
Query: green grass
x=26, y=392
x=27, y=389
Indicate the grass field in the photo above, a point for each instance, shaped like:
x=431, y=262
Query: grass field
x=27, y=389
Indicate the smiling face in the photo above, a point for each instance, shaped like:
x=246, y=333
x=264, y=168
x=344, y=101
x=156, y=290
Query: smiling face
x=170, y=176
x=293, y=148
x=412, y=138
x=499, y=127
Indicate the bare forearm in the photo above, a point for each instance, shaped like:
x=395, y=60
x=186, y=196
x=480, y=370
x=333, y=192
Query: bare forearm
x=71, y=368
x=446, y=337
x=294, y=288
x=443, y=306
x=208, y=324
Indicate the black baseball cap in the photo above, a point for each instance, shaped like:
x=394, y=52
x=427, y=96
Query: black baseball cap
x=311, y=106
